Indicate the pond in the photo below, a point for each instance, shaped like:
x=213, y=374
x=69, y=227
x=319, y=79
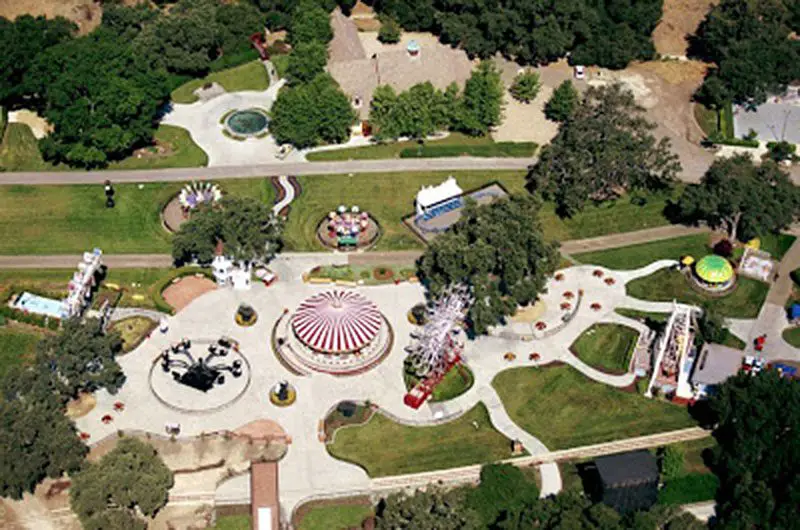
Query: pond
x=248, y=122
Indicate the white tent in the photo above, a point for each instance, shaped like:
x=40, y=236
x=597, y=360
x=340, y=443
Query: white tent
x=428, y=196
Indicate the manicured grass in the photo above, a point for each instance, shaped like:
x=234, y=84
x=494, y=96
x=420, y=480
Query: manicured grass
x=281, y=64
x=668, y=284
x=19, y=150
x=792, y=336
x=387, y=196
x=72, y=219
x=636, y=256
x=17, y=345
x=643, y=315
x=181, y=152
x=335, y=517
x=607, y=347
x=565, y=409
x=777, y=244
x=456, y=382
x=383, y=447
x=712, y=121
x=133, y=331
x=732, y=341
x=463, y=144
x=690, y=488
x=233, y=522
x=249, y=76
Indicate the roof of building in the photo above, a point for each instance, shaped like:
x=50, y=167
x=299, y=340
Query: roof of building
x=627, y=469
x=714, y=269
x=715, y=364
x=430, y=195
x=345, y=45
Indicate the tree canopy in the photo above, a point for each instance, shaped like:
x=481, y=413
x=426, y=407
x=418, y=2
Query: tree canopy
x=499, y=251
x=82, y=357
x=750, y=44
x=526, y=86
x=306, y=61
x=22, y=41
x=744, y=198
x=312, y=114
x=246, y=226
x=756, y=458
x=110, y=494
x=310, y=22
x=562, y=103
x=609, y=33
x=604, y=150
x=390, y=31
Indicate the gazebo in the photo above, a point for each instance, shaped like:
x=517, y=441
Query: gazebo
x=714, y=273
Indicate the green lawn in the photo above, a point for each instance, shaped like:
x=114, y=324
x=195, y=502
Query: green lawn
x=181, y=152
x=281, y=64
x=712, y=121
x=456, y=382
x=383, y=447
x=70, y=219
x=17, y=345
x=668, y=284
x=607, y=347
x=643, y=315
x=19, y=150
x=636, y=256
x=335, y=517
x=696, y=482
x=454, y=140
x=249, y=76
x=792, y=336
x=565, y=409
x=233, y=522
x=777, y=244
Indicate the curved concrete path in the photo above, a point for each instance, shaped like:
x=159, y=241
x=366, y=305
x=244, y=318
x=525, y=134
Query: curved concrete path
x=288, y=197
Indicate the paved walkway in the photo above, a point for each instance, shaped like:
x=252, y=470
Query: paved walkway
x=289, y=194
x=624, y=239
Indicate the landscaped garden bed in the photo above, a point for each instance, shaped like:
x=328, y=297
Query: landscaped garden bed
x=606, y=347
x=346, y=413
x=669, y=284
x=424, y=448
x=455, y=383
x=362, y=274
x=564, y=409
x=133, y=331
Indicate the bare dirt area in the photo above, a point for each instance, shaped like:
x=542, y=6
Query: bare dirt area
x=182, y=292
x=680, y=19
x=85, y=13
x=526, y=122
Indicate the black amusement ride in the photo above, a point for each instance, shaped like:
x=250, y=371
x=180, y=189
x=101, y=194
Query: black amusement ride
x=203, y=372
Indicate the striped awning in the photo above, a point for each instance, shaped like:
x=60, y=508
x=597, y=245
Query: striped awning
x=336, y=322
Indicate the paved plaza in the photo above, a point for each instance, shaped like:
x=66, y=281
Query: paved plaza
x=308, y=471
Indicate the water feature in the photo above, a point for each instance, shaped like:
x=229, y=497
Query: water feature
x=248, y=122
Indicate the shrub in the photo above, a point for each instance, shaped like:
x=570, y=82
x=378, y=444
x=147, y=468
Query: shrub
x=526, y=86
x=724, y=248
x=382, y=273
x=671, y=463
x=562, y=103
x=780, y=151
x=390, y=31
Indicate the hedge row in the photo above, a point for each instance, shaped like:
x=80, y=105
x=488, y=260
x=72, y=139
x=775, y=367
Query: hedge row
x=40, y=321
x=499, y=149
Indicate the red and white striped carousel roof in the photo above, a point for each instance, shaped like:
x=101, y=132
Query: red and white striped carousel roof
x=336, y=322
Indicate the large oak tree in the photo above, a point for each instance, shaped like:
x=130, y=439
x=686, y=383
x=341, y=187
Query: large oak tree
x=499, y=251
x=603, y=151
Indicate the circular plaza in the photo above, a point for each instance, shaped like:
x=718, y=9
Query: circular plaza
x=334, y=332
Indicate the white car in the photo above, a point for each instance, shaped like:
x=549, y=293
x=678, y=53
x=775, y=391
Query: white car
x=580, y=72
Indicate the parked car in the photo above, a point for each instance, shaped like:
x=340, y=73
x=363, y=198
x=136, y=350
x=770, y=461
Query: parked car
x=580, y=72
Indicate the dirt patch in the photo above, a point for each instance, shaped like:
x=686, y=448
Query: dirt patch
x=87, y=14
x=185, y=289
x=80, y=407
x=676, y=72
x=525, y=122
x=680, y=19
x=39, y=126
x=529, y=313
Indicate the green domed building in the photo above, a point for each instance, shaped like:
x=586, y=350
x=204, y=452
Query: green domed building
x=714, y=273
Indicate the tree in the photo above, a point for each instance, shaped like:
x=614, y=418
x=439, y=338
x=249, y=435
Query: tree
x=561, y=105
x=310, y=22
x=499, y=251
x=751, y=45
x=312, y=114
x=36, y=439
x=82, y=357
x=605, y=150
x=130, y=480
x=306, y=61
x=744, y=198
x=482, y=101
x=418, y=112
x=248, y=229
x=428, y=509
x=711, y=326
x=390, y=31
x=672, y=462
x=526, y=86
x=757, y=432
x=22, y=41
x=502, y=488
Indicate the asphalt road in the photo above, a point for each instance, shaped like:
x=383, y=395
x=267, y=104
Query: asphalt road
x=289, y=168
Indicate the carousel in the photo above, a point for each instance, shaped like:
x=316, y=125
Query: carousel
x=335, y=332
x=714, y=274
x=348, y=229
